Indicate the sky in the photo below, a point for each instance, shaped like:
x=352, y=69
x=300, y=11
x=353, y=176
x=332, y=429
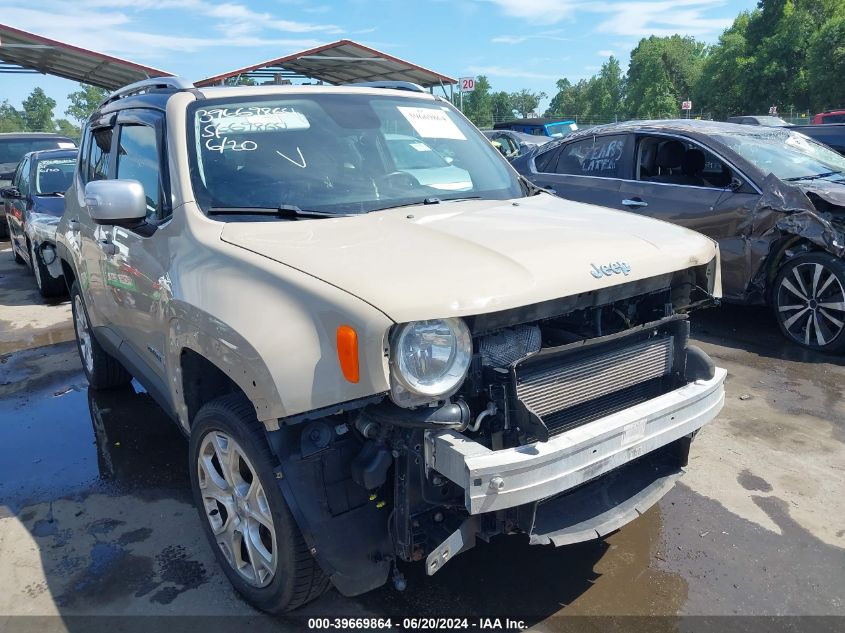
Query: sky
x=515, y=43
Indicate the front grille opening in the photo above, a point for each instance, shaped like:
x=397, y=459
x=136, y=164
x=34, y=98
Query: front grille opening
x=593, y=410
x=577, y=385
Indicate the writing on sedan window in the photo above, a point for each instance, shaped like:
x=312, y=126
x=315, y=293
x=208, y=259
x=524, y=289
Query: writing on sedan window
x=603, y=156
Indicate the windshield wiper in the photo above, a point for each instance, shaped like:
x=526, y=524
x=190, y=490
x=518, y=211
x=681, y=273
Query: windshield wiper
x=425, y=201
x=814, y=177
x=286, y=211
x=51, y=193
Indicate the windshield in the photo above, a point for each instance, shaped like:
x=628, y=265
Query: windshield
x=339, y=153
x=787, y=155
x=54, y=176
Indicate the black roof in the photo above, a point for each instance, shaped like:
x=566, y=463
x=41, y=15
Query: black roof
x=538, y=121
x=155, y=99
x=69, y=152
x=28, y=136
x=683, y=126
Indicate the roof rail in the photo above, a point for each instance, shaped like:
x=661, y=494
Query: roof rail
x=392, y=85
x=146, y=85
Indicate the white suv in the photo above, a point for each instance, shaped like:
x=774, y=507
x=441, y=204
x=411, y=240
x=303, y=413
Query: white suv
x=372, y=366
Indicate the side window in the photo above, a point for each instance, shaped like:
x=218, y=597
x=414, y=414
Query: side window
x=678, y=161
x=138, y=159
x=594, y=156
x=23, y=179
x=99, y=157
x=545, y=162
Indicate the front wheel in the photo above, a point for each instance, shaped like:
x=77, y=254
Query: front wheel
x=809, y=301
x=244, y=515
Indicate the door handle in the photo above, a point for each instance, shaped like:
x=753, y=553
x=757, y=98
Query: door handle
x=635, y=202
x=73, y=225
x=107, y=247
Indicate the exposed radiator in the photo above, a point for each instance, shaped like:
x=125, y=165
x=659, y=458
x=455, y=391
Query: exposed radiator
x=550, y=389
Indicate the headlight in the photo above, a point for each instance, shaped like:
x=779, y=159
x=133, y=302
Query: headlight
x=429, y=359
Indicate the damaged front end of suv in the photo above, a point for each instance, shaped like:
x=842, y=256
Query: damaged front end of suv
x=562, y=420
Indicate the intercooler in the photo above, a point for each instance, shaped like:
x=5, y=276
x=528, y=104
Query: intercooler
x=572, y=385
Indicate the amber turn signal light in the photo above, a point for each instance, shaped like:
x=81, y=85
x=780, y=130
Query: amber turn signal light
x=347, y=352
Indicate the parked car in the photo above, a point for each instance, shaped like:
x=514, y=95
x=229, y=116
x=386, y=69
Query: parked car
x=831, y=134
x=511, y=144
x=33, y=205
x=766, y=120
x=370, y=368
x=14, y=145
x=829, y=116
x=773, y=199
x=539, y=127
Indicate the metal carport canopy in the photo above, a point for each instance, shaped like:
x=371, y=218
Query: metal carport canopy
x=340, y=62
x=24, y=52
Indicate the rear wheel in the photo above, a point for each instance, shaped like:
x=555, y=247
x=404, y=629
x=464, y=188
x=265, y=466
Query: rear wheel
x=245, y=517
x=809, y=301
x=102, y=370
x=48, y=285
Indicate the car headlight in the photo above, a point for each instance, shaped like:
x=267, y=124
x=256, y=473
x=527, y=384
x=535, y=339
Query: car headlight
x=430, y=359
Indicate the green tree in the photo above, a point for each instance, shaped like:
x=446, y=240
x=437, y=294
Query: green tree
x=722, y=89
x=525, y=101
x=66, y=128
x=240, y=80
x=502, y=106
x=84, y=101
x=38, y=111
x=478, y=104
x=826, y=64
x=11, y=119
x=663, y=72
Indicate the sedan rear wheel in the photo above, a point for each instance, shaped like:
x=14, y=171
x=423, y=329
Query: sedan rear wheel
x=809, y=301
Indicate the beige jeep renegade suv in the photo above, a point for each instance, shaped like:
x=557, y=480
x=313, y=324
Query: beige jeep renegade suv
x=381, y=342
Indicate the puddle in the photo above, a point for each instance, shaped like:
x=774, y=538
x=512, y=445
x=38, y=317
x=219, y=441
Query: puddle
x=58, y=438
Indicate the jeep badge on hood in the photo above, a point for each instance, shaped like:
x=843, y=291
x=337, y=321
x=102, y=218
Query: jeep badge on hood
x=606, y=270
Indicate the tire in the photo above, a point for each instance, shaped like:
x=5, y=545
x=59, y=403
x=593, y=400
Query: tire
x=102, y=370
x=48, y=285
x=285, y=575
x=808, y=298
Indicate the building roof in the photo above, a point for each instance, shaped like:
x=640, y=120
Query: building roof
x=24, y=52
x=340, y=62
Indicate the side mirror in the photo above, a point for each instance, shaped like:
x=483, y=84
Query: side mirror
x=119, y=202
x=11, y=192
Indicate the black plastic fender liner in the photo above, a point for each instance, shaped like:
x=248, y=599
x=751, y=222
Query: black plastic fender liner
x=699, y=365
x=602, y=506
x=352, y=546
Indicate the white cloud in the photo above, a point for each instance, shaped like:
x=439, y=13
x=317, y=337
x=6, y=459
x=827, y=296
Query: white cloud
x=537, y=11
x=114, y=33
x=632, y=19
x=661, y=18
x=605, y=53
x=518, y=39
x=506, y=71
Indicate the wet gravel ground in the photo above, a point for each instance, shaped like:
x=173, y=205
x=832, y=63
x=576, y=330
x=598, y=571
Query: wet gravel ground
x=96, y=518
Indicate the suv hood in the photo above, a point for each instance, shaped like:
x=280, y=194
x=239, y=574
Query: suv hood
x=475, y=256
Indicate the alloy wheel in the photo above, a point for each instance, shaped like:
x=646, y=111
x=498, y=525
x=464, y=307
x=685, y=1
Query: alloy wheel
x=811, y=304
x=237, y=508
x=83, y=334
